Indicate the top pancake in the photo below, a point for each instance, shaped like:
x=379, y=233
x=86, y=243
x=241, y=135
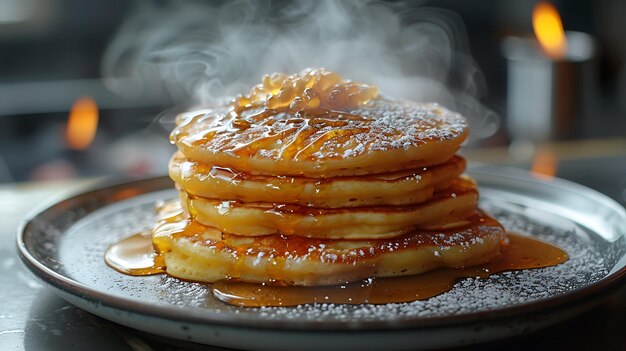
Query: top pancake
x=316, y=124
x=377, y=137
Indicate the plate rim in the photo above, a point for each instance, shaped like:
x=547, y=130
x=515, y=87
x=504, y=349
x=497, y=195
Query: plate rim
x=68, y=285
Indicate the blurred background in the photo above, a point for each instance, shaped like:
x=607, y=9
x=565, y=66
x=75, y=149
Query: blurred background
x=90, y=88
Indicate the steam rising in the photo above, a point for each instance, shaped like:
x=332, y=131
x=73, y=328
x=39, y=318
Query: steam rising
x=203, y=53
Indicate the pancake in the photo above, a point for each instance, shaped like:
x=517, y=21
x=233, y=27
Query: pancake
x=194, y=252
x=254, y=219
x=348, y=131
x=397, y=188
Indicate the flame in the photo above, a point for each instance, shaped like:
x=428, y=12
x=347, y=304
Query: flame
x=545, y=164
x=82, y=123
x=549, y=30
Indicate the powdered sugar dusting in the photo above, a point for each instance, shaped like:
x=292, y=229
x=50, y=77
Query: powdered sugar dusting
x=402, y=124
x=397, y=125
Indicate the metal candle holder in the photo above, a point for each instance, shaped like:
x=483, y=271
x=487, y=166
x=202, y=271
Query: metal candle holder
x=549, y=99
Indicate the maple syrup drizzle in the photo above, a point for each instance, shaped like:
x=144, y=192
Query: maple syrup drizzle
x=319, y=100
x=136, y=256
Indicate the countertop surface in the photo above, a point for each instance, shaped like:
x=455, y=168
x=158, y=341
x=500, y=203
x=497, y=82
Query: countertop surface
x=32, y=317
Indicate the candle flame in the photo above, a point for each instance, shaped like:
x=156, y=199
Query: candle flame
x=82, y=123
x=545, y=164
x=549, y=30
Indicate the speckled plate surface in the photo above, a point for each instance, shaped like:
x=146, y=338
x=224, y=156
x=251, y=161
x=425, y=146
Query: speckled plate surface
x=64, y=245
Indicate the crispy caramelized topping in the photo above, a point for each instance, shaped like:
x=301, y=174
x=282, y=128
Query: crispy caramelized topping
x=310, y=89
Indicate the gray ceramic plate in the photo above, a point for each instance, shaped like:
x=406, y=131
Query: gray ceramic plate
x=64, y=245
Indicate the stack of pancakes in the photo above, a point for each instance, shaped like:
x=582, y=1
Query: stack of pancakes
x=313, y=180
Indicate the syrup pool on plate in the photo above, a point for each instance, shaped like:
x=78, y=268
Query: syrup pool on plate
x=136, y=256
